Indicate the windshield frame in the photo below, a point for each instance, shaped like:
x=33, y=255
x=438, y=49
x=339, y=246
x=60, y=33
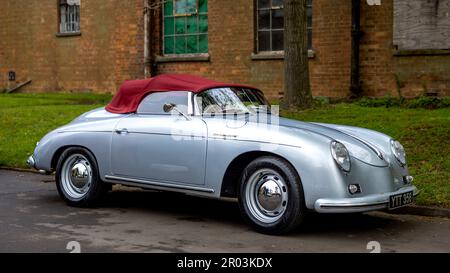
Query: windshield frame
x=197, y=108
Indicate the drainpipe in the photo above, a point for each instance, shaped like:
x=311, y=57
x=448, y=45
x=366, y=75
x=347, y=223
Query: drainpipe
x=147, y=13
x=148, y=32
x=355, y=86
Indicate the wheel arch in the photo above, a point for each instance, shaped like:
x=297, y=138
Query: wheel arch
x=230, y=181
x=57, y=154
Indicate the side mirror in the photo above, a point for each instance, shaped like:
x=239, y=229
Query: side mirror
x=168, y=107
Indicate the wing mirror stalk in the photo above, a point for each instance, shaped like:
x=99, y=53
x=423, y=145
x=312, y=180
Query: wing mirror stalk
x=169, y=107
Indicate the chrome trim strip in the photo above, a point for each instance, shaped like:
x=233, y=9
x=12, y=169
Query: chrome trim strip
x=149, y=184
x=349, y=205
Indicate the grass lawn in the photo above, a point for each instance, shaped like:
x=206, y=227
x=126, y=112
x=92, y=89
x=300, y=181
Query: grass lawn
x=25, y=118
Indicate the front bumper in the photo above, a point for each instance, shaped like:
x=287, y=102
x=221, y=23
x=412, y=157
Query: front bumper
x=31, y=162
x=359, y=204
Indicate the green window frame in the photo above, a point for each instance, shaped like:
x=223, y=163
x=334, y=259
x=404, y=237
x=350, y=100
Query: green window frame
x=185, y=27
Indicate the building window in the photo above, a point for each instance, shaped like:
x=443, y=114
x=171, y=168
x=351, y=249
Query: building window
x=185, y=27
x=270, y=25
x=69, y=16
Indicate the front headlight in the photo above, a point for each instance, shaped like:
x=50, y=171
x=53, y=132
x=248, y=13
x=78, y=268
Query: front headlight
x=341, y=155
x=398, y=151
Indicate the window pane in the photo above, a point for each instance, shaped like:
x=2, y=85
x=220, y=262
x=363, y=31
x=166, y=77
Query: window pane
x=154, y=103
x=277, y=3
x=168, y=25
x=180, y=44
x=180, y=25
x=264, y=19
x=203, y=44
x=264, y=41
x=277, y=19
x=203, y=6
x=262, y=4
x=185, y=6
x=168, y=8
x=187, y=26
x=203, y=23
x=191, y=25
x=277, y=40
x=169, y=43
x=192, y=44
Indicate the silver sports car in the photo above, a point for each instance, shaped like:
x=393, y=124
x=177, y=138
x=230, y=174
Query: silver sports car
x=201, y=137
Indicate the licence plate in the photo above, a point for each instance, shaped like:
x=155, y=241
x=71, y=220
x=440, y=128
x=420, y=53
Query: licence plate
x=400, y=200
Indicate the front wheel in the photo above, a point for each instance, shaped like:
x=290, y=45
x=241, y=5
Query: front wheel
x=271, y=196
x=77, y=178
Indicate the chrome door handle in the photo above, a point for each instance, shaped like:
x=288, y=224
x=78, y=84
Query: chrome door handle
x=122, y=131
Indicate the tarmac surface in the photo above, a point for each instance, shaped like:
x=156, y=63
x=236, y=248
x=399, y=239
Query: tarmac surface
x=33, y=218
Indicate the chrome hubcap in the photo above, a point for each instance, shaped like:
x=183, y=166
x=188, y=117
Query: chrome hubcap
x=269, y=196
x=266, y=195
x=76, y=176
x=79, y=175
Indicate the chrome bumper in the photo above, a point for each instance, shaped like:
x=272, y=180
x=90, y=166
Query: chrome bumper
x=359, y=204
x=31, y=162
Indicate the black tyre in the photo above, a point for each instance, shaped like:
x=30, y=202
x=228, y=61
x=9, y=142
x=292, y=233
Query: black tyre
x=77, y=178
x=271, y=196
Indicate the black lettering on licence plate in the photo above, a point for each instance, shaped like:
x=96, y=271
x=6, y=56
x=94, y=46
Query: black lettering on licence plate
x=400, y=200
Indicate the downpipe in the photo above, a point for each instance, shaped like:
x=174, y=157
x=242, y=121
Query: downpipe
x=355, y=85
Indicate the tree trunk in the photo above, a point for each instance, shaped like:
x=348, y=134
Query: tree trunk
x=297, y=91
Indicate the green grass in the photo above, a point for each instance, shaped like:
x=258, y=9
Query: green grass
x=26, y=118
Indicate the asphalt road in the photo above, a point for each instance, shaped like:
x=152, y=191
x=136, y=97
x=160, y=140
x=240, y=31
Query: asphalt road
x=34, y=219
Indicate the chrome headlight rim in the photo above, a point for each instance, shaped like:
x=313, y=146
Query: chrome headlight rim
x=398, y=151
x=345, y=162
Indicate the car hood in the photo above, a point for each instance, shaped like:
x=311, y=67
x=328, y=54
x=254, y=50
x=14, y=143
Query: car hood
x=365, y=145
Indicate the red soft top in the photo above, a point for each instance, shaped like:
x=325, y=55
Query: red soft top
x=131, y=93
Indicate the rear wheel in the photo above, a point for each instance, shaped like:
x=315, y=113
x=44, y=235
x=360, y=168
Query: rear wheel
x=271, y=196
x=77, y=178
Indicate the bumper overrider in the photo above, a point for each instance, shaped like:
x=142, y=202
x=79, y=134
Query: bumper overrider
x=360, y=204
x=31, y=162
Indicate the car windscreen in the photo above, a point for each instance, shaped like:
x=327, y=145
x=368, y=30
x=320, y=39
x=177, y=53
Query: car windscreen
x=232, y=100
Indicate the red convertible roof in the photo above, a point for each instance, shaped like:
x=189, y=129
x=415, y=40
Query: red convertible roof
x=131, y=93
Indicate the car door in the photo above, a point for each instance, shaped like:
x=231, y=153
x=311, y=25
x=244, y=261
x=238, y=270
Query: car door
x=160, y=147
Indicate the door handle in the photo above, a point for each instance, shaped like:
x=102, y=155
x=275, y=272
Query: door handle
x=122, y=131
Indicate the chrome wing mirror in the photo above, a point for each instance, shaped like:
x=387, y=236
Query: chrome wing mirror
x=169, y=107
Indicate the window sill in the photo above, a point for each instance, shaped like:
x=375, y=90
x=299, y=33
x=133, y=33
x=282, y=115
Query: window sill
x=201, y=57
x=68, y=34
x=421, y=52
x=277, y=55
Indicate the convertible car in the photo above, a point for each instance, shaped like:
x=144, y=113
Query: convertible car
x=212, y=139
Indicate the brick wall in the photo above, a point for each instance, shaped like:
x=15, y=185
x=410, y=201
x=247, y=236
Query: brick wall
x=384, y=73
x=232, y=43
x=330, y=68
x=109, y=50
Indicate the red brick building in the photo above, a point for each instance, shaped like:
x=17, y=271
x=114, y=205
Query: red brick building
x=94, y=45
